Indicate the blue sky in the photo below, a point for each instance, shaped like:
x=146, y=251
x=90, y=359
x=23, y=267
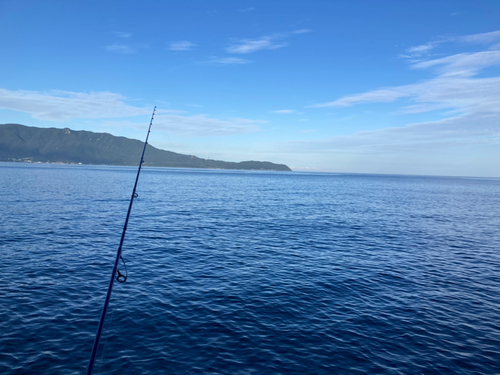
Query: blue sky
x=407, y=87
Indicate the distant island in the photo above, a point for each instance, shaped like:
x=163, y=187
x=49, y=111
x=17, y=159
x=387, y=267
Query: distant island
x=51, y=145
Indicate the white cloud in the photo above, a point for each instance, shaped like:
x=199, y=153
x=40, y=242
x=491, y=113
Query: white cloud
x=121, y=48
x=284, y=111
x=227, y=60
x=423, y=50
x=462, y=64
x=183, y=45
x=451, y=131
x=269, y=42
x=301, y=31
x=462, y=94
x=64, y=105
x=418, y=51
x=203, y=126
x=253, y=45
x=196, y=126
x=246, y=10
x=472, y=104
x=120, y=34
x=455, y=86
x=483, y=38
x=380, y=96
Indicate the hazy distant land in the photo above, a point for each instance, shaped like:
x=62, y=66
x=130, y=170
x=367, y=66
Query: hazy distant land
x=52, y=145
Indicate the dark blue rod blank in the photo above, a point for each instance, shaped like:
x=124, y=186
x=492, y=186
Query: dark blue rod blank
x=118, y=255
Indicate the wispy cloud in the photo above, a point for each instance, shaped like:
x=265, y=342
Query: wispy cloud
x=419, y=51
x=64, y=105
x=463, y=64
x=380, y=96
x=472, y=102
x=462, y=94
x=423, y=51
x=227, y=61
x=120, y=34
x=127, y=48
x=205, y=126
x=284, y=111
x=246, y=10
x=269, y=42
x=301, y=31
x=452, y=131
x=183, y=45
x=196, y=126
x=483, y=38
x=454, y=87
x=121, y=48
x=253, y=45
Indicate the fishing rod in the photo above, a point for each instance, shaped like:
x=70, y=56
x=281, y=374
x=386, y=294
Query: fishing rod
x=116, y=274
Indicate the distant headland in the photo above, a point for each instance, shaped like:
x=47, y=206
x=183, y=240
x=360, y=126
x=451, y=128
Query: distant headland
x=52, y=145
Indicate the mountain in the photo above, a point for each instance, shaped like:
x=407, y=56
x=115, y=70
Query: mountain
x=26, y=143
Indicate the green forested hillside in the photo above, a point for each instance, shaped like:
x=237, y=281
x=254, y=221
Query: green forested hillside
x=25, y=143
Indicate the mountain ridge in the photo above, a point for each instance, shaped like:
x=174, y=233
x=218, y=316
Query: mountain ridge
x=26, y=143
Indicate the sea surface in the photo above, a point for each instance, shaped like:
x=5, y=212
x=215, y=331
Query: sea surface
x=245, y=272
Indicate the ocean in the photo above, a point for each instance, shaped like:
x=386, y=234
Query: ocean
x=248, y=272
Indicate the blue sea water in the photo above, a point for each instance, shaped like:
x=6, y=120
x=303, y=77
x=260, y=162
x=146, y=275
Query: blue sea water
x=234, y=272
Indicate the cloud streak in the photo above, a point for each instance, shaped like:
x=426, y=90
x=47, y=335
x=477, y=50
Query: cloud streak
x=120, y=34
x=455, y=86
x=244, y=10
x=463, y=64
x=227, y=61
x=205, y=126
x=121, y=48
x=484, y=38
x=419, y=51
x=254, y=45
x=472, y=104
x=284, y=111
x=269, y=42
x=451, y=131
x=457, y=93
x=196, y=126
x=183, y=45
x=65, y=105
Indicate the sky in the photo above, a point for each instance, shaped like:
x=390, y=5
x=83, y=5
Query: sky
x=391, y=87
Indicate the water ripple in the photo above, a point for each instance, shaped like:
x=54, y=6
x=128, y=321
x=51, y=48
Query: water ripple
x=249, y=273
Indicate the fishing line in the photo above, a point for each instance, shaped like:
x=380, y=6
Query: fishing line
x=116, y=275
